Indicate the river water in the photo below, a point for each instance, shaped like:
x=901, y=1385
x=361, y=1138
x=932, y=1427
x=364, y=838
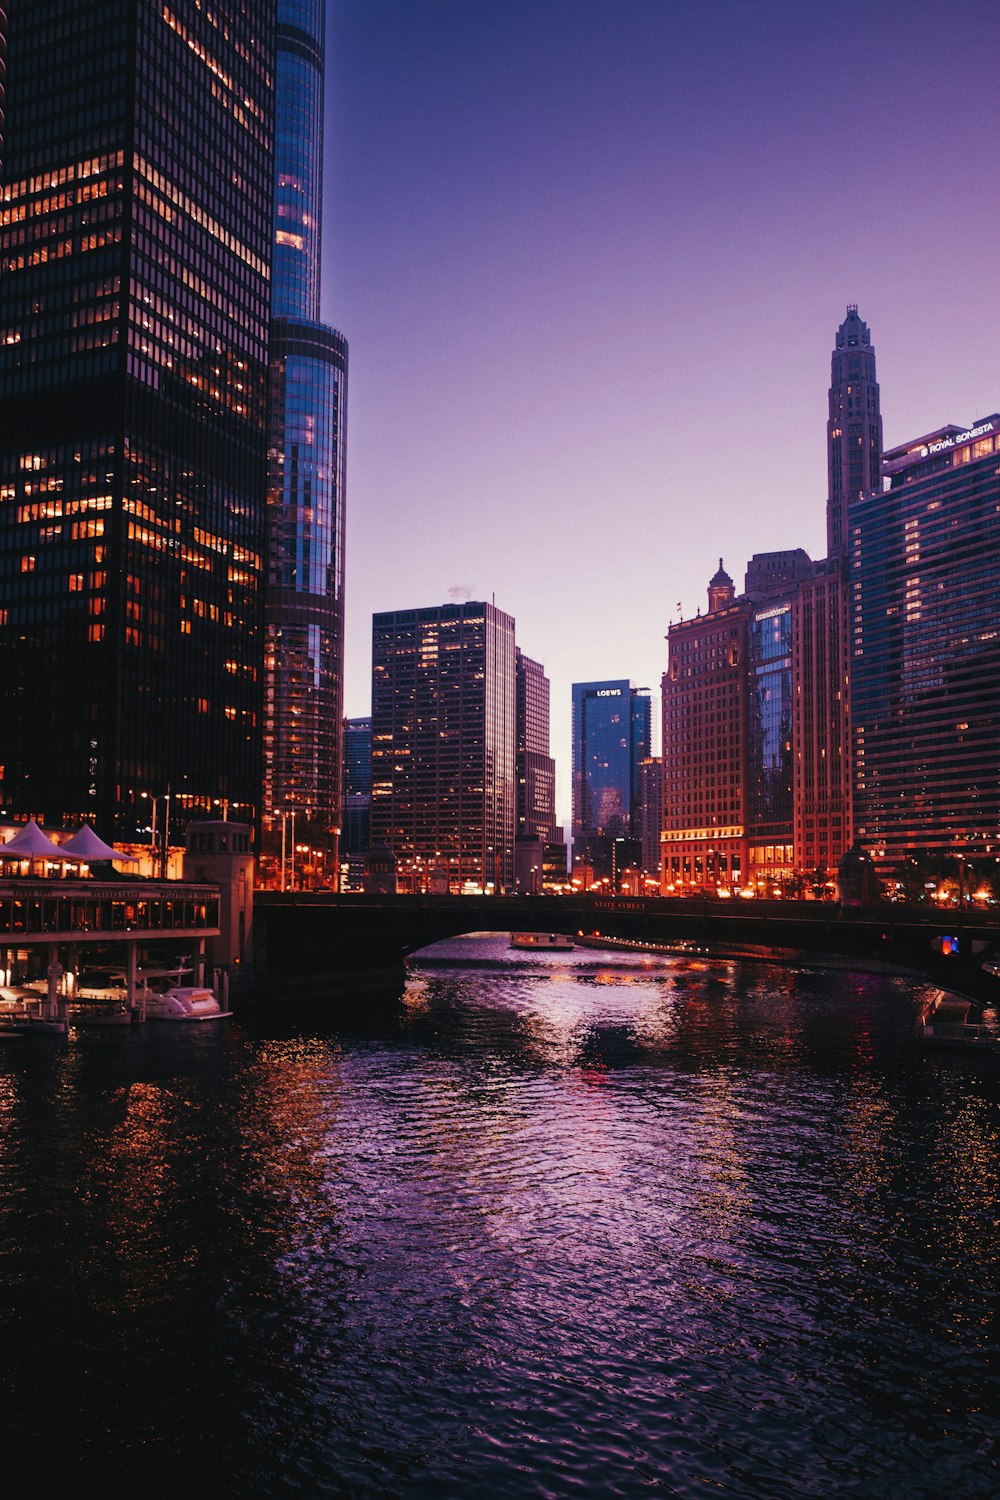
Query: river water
x=552, y=1225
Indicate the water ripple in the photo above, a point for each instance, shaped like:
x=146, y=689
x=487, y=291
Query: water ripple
x=604, y=1228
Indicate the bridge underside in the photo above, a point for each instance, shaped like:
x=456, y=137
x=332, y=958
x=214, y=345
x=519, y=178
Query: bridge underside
x=316, y=941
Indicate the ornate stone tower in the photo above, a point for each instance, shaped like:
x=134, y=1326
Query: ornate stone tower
x=721, y=590
x=854, y=429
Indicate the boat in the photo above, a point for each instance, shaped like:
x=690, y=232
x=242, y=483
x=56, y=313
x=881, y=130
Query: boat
x=544, y=940
x=163, y=998
x=945, y=1023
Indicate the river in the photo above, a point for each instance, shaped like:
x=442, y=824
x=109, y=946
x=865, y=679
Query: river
x=559, y=1225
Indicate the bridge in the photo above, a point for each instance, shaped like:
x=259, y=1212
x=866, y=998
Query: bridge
x=314, y=941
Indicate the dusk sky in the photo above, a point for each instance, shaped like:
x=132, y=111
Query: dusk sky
x=591, y=257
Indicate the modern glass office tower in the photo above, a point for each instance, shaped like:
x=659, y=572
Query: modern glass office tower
x=925, y=574
x=136, y=214
x=611, y=739
x=306, y=493
x=443, y=705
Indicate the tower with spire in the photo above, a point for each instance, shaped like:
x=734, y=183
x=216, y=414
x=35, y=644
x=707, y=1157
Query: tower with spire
x=721, y=590
x=854, y=428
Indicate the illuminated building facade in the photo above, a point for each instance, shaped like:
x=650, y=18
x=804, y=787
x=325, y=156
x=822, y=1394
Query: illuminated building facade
x=925, y=574
x=135, y=247
x=307, y=481
x=773, y=583
x=610, y=740
x=705, y=741
x=443, y=736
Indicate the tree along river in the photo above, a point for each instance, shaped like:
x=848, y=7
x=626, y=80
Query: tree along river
x=561, y=1224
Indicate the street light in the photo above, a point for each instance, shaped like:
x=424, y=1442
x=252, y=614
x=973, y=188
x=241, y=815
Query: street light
x=166, y=830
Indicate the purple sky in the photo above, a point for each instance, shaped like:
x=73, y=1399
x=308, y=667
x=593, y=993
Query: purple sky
x=590, y=258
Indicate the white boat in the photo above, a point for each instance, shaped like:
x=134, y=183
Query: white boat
x=546, y=940
x=163, y=998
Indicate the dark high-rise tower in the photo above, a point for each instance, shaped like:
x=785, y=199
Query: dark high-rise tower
x=443, y=704
x=854, y=429
x=305, y=592
x=135, y=247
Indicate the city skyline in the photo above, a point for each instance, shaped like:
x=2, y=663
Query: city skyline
x=590, y=262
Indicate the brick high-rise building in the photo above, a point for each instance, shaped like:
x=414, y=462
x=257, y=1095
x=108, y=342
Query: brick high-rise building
x=135, y=250
x=705, y=705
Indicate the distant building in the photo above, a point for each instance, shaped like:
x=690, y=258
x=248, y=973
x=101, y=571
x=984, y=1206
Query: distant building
x=611, y=736
x=651, y=812
x=925, y=678
x=443, y=736
x=535, y=772
x=535, y=768
x=357, y=794
x=135, y=255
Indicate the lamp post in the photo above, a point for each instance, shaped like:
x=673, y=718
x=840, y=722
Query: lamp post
x=158, y=850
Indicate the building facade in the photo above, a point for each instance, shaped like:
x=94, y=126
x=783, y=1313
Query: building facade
x=705, y=745
x=535, y=768
x=443, y=736
x=610, y=738
x=135, y=248
x=925, y=591
x=304, y=605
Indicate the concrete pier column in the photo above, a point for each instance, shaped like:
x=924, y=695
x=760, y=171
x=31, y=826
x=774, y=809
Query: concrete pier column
x=130, y=956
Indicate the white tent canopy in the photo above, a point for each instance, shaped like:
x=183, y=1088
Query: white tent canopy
x=30, y=843
x=86, y=847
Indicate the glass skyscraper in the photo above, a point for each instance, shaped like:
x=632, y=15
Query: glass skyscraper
x=925, y=576
x=611, y=734
x=306, y=491
x=136, y=223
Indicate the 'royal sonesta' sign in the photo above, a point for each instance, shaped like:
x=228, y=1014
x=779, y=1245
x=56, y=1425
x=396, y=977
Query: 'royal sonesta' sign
x=953, y=442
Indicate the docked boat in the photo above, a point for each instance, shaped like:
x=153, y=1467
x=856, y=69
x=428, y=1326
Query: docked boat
x=162, y=997
x=945, y=1023
x=541, y=940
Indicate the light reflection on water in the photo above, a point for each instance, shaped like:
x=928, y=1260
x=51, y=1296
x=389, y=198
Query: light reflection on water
x=551, y=1223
